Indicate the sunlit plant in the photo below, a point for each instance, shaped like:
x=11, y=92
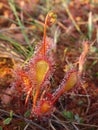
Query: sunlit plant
x=34, y=78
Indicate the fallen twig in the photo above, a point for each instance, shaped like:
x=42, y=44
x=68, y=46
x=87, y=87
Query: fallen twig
x=25, y=119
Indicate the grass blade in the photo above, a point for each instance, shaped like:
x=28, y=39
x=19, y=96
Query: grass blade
x=90, y=26
x=12, y=5
x=70, y=16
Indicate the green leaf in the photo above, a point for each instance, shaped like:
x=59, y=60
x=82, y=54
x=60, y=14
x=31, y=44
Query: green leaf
x=96, y=74
x=78, y=119
x=7, y=121
x=11, y=113
x=95, y=62
x=1, y=128
x=80, y=102
x=27, y=113
x=68, y=115
x=92, y=129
